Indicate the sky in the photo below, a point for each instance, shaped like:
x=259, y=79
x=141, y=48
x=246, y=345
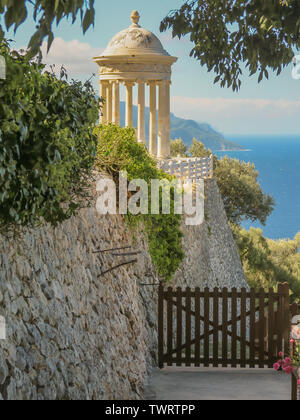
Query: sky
x=271, y=107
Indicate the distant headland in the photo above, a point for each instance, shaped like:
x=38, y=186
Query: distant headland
x=188, y=129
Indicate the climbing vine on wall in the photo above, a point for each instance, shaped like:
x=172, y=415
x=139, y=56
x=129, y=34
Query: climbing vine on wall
x=118, y=151
x=47, y=143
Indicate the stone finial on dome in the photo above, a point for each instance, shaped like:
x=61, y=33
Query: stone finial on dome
x=135, y=41
x=135, y=17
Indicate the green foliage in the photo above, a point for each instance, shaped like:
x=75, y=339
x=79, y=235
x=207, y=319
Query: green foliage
x=242, y=195
x=228, y=35
x=268, y=262
x=239, y=187
x=44, y=12
x=47, y=145
x=198, y=149
x=118, y=151
x=296, y=355
x=178, y=148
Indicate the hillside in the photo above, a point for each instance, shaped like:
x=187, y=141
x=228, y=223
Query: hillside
x=187, y=130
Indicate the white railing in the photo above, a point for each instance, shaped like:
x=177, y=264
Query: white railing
x=189, y=168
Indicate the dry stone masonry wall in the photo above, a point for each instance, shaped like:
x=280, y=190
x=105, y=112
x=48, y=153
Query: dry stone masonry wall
x=74, y=335
x=70, y=334
x=212, y=258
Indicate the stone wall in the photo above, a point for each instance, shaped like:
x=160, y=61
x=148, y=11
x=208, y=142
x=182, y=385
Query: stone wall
x=74, y=335
x=211, y=255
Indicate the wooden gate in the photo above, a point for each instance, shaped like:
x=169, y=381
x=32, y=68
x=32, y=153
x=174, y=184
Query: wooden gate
x=222, y=328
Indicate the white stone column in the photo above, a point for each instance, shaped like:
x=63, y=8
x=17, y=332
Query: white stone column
x=141, y=113
x=129, y=104
x=116, y=103
x=163, y=120
x=109, y=102
x=152, y=120
x=167, y=144
x=103, y=95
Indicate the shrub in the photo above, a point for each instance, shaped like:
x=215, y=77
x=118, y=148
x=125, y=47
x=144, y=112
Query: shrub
x=47, y=143
x=242, y=194
x=198, y=149
x=238, y=183
x=268, y=262
x=178, y=148
x=118, y=151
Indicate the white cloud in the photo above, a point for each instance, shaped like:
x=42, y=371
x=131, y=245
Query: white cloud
x=77, y=57
x=231, y=115
x=241, y=115
x=235, y=107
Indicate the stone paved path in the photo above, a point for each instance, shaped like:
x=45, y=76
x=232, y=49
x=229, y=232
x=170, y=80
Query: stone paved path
x=218, y=384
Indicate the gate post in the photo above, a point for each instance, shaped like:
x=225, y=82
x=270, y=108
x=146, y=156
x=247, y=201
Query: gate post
x=160, y=326
x=294, y=309
x=294, y=387
x=284, y=315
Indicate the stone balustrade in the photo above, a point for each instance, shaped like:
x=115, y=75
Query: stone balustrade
x=189, y=168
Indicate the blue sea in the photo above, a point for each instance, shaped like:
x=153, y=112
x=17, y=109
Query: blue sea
x=277, y=158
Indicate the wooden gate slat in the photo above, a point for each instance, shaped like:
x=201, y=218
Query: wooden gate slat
x=211, y=322
x=179, y=326
x=224, y=327
x=188, y=326
x=243, y=327
x=286, y=318
x=197, y=326
x=160, y=326
x=170, y=325
x=216, y=328
x=234, y=328
x=279, y=323
x=261, y=329
x=252, y=328
x=269, y=334
x=206, y=327
x=212, y=294
x=271, y=331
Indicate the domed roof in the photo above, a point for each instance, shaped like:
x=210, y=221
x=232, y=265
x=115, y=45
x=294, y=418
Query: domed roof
x=135, y=40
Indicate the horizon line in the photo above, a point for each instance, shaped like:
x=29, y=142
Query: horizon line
x=261, y=134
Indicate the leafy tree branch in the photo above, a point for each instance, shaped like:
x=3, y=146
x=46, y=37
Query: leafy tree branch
x=13, y=13
x=229, y=35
